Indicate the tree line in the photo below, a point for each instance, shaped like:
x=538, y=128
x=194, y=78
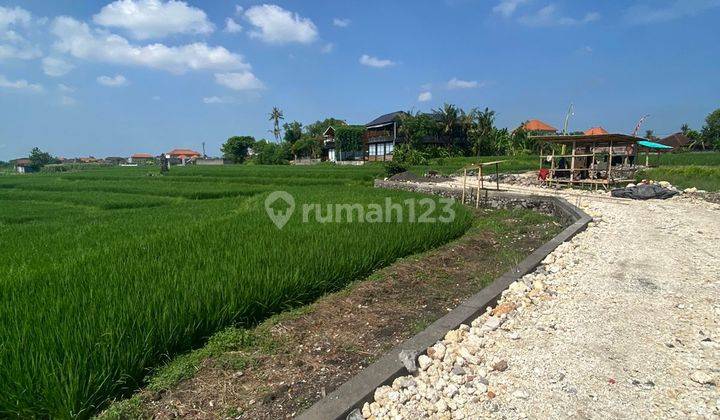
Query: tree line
x=444, y=132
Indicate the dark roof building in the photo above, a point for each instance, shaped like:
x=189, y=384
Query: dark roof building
x=386, y=119
x=676, y=141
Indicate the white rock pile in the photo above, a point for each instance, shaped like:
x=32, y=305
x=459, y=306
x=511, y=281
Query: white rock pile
x=456, y=375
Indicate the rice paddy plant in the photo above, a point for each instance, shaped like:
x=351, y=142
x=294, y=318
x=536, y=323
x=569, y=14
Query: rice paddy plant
x=701, y=177
x=104, y=279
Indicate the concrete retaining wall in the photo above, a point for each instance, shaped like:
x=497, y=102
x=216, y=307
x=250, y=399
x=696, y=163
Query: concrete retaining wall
x=360, y=389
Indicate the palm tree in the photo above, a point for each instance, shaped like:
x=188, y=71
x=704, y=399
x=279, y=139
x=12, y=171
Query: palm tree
x=485, y=123
x=275, y=116
x=449, y=117
x=685, y=128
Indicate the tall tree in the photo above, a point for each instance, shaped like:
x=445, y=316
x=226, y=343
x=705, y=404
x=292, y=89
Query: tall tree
x=236, y=148
x=293, y=132
x=38, y=158
x=685, y=128
x=711, y=130
x=317, y=128
x=449, y=119
x=275, y=116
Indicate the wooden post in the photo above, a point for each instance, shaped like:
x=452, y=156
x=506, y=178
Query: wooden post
x=497, y=177
x=572, y=163
x=593, y=164
x=609, y=170
x=479, y=180
x=482, y=181
x=552, y=168
x=464, y=182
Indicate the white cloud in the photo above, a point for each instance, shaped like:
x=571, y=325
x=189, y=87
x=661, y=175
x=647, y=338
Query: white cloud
x=276, y=25
x=25, y=52
x=114, y=81
x=14, y=16
x=327, y=48
x=341, y=23
x=67, y=100
x=548, y=16
x=424, y=96
x=456, y=83
x=508, y=7
x=16, y=46
x=370, y=61
x=77, y=39
x=19, y=84
x=239, y=81
x=231, y=26
x=238, y=9
x=641, y=14
x=65, y=88
x=145, y=19
x=218, y=100
x=56, y=67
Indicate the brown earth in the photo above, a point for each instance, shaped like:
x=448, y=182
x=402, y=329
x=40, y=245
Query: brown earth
x=306, y=354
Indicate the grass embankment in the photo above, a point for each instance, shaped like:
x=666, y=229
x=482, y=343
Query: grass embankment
x=107, y=273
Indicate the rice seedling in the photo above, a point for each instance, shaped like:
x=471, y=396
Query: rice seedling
x=108, y=273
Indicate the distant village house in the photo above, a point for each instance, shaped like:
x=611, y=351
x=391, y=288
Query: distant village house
x=141, y=158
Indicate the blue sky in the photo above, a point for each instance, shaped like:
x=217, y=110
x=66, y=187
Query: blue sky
x=115, y=78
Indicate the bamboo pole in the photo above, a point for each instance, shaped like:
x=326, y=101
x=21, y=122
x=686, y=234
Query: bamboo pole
x=552, y=169
x=572, y=163
x=464, y=183
x=479, y=180
x=609, y=171
x=482, y=181
x=497, y=177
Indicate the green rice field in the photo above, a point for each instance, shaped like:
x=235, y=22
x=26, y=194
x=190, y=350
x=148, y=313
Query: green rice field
x=108, y=273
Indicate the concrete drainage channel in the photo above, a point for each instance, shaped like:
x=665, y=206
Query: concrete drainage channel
x=360, y=389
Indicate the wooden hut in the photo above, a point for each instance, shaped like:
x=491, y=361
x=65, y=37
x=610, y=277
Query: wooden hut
x=589, y=159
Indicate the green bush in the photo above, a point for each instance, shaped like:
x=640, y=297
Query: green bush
x=409, y=155
x=393, y=168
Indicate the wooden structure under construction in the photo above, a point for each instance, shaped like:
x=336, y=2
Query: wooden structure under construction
x=480, y=186
x=589, y=159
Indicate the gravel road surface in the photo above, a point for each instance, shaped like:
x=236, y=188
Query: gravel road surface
x=621, y=322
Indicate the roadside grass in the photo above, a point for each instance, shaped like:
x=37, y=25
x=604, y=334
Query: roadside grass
x=701, y=177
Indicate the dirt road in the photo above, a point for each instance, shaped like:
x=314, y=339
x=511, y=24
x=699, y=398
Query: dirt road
x=621, y=322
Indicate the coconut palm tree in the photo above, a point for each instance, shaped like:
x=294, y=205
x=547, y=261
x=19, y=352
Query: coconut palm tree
x=449, y=118
x=275, y=116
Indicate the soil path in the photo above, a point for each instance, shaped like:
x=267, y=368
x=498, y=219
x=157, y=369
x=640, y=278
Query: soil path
x=621, y=322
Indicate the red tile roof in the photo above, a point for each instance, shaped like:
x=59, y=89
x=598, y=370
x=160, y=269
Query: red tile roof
x=141, y=156
x=537, y=125
x=595, y=131
x=183, y=152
